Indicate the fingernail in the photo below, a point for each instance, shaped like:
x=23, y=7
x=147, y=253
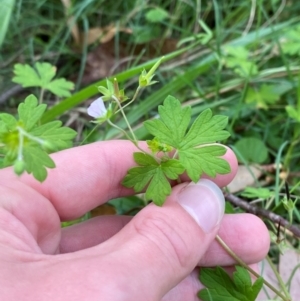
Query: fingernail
x=205, y=202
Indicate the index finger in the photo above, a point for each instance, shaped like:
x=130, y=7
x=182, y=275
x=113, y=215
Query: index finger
x=90, y=175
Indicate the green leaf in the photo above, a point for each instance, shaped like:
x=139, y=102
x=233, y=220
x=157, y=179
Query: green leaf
x=198, y=161
x=206, y=129
x=159, y=188
x=42, y=77
x=265, y=95
x=220, y=287
x=154, y=174
x=36, y=162
x=24, y=143
x=291, y=43
x=129, y=205
x=251, y=149
x=156, y=15
x=30, y=112
x=60, y=87
x=196, y=154
x=144, y=159
x=173, y=122
x=293, y=113
x=238, y=52
x=261, y=193
x=237, y=59
x=59, y=137
x=172, y=168
x=9, y=122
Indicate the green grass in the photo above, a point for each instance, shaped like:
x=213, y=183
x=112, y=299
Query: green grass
x=252, y=85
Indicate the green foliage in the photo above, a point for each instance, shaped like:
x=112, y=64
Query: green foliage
x=194, y=147
x=155, y=174
x=25, y=143
x=156, y=15
x=42, y=76
x=261, y=193
x=30, y=112
x=203, y=38
x=237, y=58
x=220, y=287
x=291, y=42
x=5, y=13
x=252, y=150
x=271, y=37
x=293, y=113
x=127, y=205
x=156, y=146
x=263, y=96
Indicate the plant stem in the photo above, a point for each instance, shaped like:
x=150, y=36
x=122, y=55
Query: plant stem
x=132, y=100
x=21, y=140
x=279, y=279
x=126, y=120
x=24, y=133
x=243, y=264
x=175, y=154
x=90, y=133
x=128, y=137
x=295, y=141
x=41, y=96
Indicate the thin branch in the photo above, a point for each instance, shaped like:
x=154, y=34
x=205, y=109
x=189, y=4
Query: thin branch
x=236, y=201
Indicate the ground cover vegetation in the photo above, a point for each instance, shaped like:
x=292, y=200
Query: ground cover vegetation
x=240, y=59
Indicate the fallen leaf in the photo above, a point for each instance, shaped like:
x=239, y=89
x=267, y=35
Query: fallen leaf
x=246, y=176
x=102, y=35
x=104, y=209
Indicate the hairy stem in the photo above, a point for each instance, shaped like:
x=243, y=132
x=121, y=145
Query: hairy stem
x=126, y=120
x=243, y=264
x=132, y=100
x=41, y=96
x=126, y=135
x=90, y=133
x=278, y=277
x=33, y=138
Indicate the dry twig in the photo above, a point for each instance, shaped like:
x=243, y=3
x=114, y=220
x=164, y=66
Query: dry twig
x=236, y=201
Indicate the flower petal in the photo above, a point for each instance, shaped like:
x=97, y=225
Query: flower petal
x=97, y=108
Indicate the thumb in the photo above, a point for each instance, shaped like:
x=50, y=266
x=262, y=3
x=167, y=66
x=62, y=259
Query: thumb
x=162, y=245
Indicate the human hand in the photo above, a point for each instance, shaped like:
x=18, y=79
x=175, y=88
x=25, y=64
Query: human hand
x=149, y=257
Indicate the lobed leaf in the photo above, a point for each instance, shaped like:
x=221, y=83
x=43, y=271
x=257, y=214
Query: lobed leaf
x=36, y=161
x=30, y=112
x=219, y=286
x=42, y=77
x=170, y=130
x=173, y=123
x=59, y=137
x=9, y=122
x=153, y=174
x=198, y=161
x=159, y=188
x=206, y=129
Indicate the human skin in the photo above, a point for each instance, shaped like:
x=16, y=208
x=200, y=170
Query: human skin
x=152, y=256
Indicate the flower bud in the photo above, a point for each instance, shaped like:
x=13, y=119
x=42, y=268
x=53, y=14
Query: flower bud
x=19, y=166
x=145, y=78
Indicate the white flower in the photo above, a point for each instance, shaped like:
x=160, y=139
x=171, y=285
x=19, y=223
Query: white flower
x=97, y=108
